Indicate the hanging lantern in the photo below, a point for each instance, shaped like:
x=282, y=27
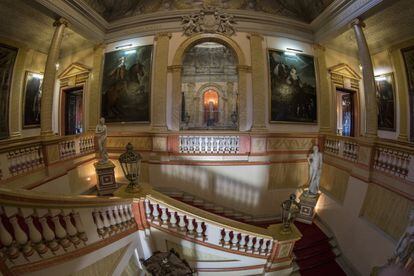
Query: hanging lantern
x=290, y=209
x=130, y=163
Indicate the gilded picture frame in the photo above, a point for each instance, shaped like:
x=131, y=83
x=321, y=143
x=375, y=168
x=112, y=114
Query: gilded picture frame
x=126, y=85
x=287, y=104
x=32, y=94
x=385, y=92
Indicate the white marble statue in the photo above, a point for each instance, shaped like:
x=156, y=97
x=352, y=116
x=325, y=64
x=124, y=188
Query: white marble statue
x=101, y=133
x=315, y=170
x=405, y=247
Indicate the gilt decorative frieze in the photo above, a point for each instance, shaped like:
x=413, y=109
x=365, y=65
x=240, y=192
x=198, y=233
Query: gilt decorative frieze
x=208, y=20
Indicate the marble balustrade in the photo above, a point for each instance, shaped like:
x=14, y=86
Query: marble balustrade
x=192, y=226
x=55, y=227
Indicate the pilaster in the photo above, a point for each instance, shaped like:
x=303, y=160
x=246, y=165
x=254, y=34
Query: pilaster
x=325, y=108
x=159, y=97
x=258, y=83
x=176, y=95
x=371, y=116
x=49, y=79
x=95, y=88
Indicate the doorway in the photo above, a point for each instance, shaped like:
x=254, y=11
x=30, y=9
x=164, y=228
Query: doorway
x=345, y=112
x=72, y=103
x=211, y=100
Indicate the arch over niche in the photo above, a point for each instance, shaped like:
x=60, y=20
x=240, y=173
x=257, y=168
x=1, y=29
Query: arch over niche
x=176, y=69
x=344, y=77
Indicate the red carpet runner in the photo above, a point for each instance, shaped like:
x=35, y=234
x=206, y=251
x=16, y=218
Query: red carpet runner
x=313, y=253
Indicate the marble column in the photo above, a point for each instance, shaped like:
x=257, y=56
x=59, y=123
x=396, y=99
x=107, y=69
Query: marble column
x=325, y=108
x=371, y=115
x=258, y=82
x=94, y=110
x=50, y=78
x=159, y=102
x=242, y=71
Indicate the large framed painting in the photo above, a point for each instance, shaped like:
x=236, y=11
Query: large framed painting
x=126, y=85
x=385, y=101
x=408, y=55
x=292, y=87
x=31, y=100
x=7, y=58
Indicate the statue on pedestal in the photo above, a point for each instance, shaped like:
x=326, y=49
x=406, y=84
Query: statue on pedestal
x=405, y=247
x=315, y=171
x=101, y=133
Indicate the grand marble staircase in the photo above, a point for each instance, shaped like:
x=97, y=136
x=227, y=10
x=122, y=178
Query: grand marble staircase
x=315, y=254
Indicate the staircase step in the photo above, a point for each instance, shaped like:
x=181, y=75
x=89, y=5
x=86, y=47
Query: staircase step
x=329, y=269
x=316, y=260
x=312, y=251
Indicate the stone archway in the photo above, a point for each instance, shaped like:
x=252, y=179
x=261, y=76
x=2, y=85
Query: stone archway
x=176, y=69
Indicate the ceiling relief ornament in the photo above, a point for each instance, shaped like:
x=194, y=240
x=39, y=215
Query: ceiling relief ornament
x=208, y=20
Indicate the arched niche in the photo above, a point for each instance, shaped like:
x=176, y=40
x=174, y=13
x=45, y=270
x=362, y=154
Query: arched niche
x=344, y=78
x=177, y=66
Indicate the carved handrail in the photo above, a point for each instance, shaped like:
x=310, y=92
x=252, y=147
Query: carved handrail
x=26, y=198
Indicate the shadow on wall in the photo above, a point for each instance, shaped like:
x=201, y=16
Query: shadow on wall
x=242, y=188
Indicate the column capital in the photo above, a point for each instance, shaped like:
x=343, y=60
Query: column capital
x=249, y=36
x=357, y=22
x=319, y=47
x=61, y=21
x=163, y=34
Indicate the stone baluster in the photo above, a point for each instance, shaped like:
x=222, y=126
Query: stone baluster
x=226, y=238
x=249, y=247
x=20, y=236
x=34, y=234
x=47, y=233
x=98, y=222
x=173, y=220
x=119, y=211
x=112, y=219
x=199, y=229
x=155, y=213
x=117, y=218
x=190, y=225
x=257, y=245
x=105, y=220
x=265, y=247
x=242, y=242
x=164, y=215
x=235, y=240
x=69, y=227
x=181, y=223
x=147, y=209
x=79, y=226
x=60, y=232
x=6, y=240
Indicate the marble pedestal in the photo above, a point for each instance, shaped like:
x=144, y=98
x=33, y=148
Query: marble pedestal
x=307, y=207
x=106, y=177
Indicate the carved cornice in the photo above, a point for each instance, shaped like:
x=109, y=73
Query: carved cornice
x=162, y=34
x=336, y=18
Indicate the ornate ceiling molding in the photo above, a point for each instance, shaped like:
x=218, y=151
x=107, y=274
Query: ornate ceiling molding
x=209, y=20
